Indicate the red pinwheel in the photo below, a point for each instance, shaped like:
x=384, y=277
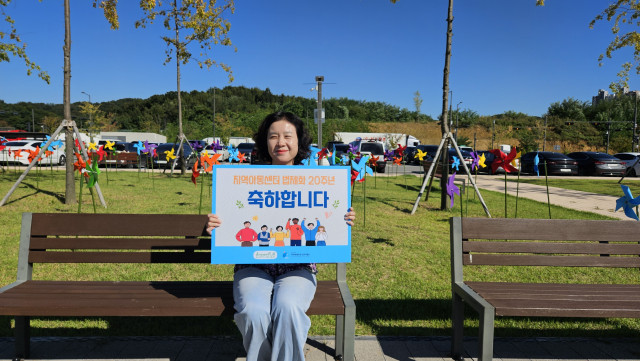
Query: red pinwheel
x=373, y=161
x=324, y=153
x=354, y=175
x=101, y=152
x=241, y=157
x=195, y=173
x=397, y=160
x=80, y=165
x=400, y=150
x=503, y=160
x=33, y=154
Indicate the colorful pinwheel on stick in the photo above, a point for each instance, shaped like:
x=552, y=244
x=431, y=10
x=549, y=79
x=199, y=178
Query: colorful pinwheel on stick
x=233, y=154
x=397, y=160
x=482, y=160
x=627, y=202
x=452, y=189
x=456, y=163
x=362, y=168
x=420, y=154
x=475, y=163
x=92, y=147
x=169, y=154
x=241, y=157
x=503, y=160
x=195, y=173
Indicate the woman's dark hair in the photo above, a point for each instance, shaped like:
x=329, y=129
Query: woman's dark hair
x=304, y=139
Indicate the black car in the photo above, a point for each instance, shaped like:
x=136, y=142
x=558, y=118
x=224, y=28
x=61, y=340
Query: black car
x=556, y=163
x=597, y=163
x=339, y=149
x=488, y=160
x=248, y=150
x=161, y=160
x=425, y=148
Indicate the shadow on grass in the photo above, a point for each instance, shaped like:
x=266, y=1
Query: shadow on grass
x=56, y=195
x=381, y=240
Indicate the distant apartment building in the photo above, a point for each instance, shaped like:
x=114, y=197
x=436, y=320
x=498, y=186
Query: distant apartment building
x=604, y=95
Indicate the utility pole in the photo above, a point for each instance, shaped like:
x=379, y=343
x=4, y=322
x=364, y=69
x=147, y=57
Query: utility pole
x=544, y=141
x=213, y=122
x=319, y=80
x=634, y=139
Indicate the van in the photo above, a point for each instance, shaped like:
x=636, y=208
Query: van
x=372, y=149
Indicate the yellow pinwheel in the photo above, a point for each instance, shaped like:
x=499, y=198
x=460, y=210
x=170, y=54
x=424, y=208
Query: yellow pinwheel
x=169, y=154
x=92, y=146
x=420, y=154
x=481, y=161
x=513, y=162
x=109, y=145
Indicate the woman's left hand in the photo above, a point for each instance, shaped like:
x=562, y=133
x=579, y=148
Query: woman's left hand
x=350, y=217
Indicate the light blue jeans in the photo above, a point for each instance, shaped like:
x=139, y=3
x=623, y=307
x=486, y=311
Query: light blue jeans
x=270, y=313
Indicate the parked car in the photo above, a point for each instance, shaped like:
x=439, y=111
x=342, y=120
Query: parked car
x=339, y=149
x=597, y=163
x=23, y=146
x=248, y=149
x=557, y=163
x=632, y=161
x=410, y=154
x=161, y=160
x=224, y=152
x=372, y=149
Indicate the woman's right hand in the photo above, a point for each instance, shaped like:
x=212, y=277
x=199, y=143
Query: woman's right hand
x=213, y=222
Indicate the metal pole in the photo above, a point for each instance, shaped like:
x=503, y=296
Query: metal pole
x=544, y=142
x=634, y=142
x=320, y=79
x=493, y=133
x=90, y=113
x=214, y=113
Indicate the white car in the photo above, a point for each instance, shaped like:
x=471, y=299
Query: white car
x=631, y=160
x=9, y=154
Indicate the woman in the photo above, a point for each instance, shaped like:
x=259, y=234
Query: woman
x=271, y=300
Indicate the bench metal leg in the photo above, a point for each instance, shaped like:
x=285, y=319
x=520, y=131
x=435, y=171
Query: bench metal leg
x=348, y=353
x=457, y=319
x=485, y=337
x=22, y=334
x=339, y=344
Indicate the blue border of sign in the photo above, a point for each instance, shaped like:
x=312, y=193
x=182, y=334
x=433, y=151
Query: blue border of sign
x=286, y=254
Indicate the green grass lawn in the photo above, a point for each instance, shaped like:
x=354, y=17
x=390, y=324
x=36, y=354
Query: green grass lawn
x=399, y=276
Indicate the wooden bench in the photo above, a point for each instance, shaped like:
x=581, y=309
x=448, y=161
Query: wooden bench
x=136, y=238
x=545, y=243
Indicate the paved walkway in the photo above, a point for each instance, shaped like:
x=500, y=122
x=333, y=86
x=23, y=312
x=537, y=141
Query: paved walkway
x=368, y=348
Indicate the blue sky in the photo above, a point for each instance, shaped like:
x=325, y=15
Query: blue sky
x=506, y=55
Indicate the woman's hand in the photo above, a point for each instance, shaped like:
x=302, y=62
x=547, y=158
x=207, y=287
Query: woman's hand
x=350, y=217
x=213, y=222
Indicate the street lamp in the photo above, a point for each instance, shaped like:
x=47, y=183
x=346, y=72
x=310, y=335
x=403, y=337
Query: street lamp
x=456, y=133
x=90, y=112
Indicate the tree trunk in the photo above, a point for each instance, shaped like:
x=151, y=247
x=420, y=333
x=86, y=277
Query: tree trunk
x=70, y=188
x=180, y=133
x=444, y=125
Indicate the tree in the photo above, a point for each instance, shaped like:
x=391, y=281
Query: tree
x=417, y=101
x=70, y=184
x=188, y=21
x=14, y=46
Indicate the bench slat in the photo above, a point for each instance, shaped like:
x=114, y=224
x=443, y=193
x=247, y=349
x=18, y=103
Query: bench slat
x=134, y=298
x=120, y=243
x=73, y=224
x=560, y=261
x=551, y=247
x=550, y=229
x=119, y=257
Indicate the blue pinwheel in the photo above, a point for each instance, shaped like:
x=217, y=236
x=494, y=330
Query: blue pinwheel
x=536, y=161
x=627, y=202
x=362, y=168
x=456, y=163
x=233, y=154
x=139, y=146
x=476, y=161
x=452, y=188
x=313, y=157
x=332, y=158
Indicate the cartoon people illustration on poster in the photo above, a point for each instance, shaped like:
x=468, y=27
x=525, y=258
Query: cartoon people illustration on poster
x=296, y=232
x=264, y=236
x=310, y=232
x=246, y=235
x=321, y=236
x=279, y=236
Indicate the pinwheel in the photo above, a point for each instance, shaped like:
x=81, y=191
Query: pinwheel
x=216, y=146
x=233, y=154
x=627, y=202
x=195, y=173
x=17, y=153
x=455, y=163
x=55, y=144
x=241, y=157
x=452, y=189
x=400, y=150
x=397, y=160
x=139, y=147
x=324, y=153
x=77, y=143
x=33, y=154
x=92, y=169
x=101, y=153
x=80, y=165
x=145, y=149
x=169, y=154
x=45, y=141
x=353, y=149
x=313, y=157
x=503, y=160
x=208, y=162
x=475, y=163
x=420, y=154
x=92, y=146
x=536, y=161
x=481, y=161
x=373, y=161
x=109, y=145
x=362, y=168
x=389, y=155
x=513, y=162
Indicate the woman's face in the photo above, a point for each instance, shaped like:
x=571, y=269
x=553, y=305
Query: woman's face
x=282, y=141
